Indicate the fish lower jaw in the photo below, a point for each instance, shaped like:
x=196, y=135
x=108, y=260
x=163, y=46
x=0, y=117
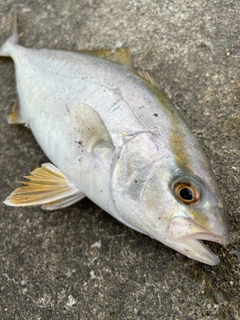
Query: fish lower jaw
x=195, y=249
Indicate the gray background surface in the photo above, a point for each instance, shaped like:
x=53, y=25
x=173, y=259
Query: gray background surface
x=80, y=263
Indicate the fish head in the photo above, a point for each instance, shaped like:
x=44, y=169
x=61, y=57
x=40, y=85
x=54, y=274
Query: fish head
x=166, y=199
x=181, y=210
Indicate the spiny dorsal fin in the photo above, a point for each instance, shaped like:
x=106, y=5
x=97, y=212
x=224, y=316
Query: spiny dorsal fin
x=119, y=55
x=147, y=77
x=47, y=185
x=91, y=128
x=15, y=117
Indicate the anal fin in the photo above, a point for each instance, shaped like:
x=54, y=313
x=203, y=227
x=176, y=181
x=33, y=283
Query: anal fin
x=15, y=117
x=47, y=186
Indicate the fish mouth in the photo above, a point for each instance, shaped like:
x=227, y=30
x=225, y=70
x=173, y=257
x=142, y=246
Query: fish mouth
x=197, y=250
x=186, y=237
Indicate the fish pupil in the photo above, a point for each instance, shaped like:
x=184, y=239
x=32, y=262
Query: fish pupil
x=186, y=194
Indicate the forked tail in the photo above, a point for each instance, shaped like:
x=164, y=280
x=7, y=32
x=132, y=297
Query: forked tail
x=5, y=50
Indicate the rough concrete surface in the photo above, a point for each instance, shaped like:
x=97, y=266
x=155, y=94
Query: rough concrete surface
x=79, y=262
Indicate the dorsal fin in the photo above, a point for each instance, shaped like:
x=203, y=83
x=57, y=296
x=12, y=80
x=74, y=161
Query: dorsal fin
x=119, y=55
x=145, y=75
x=123, y=56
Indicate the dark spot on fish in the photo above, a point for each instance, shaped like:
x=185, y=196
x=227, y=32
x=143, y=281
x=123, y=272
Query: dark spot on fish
x=155, y=114
x=67, y=109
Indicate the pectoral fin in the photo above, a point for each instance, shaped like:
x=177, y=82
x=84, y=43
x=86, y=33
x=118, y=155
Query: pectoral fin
x=64, y=202
x=47, y=186
x=91, y=129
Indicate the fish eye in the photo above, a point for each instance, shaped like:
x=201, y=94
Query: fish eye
x=186, y=192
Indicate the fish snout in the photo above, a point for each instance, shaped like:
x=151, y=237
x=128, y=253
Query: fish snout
x=186, y=235
x=186, y=228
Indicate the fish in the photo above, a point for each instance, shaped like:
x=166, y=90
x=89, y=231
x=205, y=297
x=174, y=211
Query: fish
x=113, y=136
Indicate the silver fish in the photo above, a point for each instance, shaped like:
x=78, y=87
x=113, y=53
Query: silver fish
x=115, y=138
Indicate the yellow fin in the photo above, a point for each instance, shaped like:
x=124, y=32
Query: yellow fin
x=91, y=128
x=145, y=75
x=123, y=56
x=119, y=55
x=47, y=185
x=15, y=117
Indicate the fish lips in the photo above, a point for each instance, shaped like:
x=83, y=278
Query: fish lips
x=187, y=235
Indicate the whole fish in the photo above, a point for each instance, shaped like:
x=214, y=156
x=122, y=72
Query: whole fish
x=115, y=138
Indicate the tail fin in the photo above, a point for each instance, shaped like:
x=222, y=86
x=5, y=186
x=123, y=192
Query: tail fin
x=12, y=39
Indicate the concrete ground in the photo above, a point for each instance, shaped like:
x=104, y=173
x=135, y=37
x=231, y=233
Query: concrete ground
x=79, y=262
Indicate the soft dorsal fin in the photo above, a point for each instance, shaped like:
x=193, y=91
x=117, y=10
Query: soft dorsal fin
x=92, y=131
x=48, y=186
x=123, y=56
x=145, y=75
x=119, y=55
x=15, y=117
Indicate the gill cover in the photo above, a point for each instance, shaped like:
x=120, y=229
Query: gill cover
x=132, y=168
